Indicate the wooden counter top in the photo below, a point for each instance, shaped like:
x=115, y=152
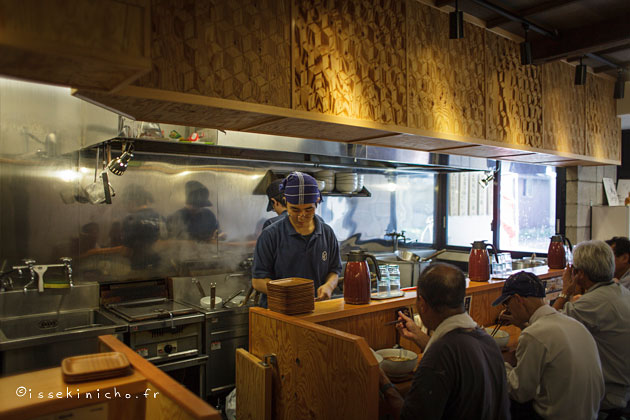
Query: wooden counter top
x=45, y=388
x=146, y=393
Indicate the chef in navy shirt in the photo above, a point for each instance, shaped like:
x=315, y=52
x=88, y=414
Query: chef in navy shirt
x=276, y=202
x=299, y=245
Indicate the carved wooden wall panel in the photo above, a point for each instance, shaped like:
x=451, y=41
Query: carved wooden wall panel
x=563, y=109
x=79, y=43
x=236, y=49
x=446, y=77
x=170, y=112
x=603, y=128
x=349, y=59
x=513, y=101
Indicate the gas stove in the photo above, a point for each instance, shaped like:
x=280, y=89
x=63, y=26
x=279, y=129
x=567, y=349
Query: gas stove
x=165, y=332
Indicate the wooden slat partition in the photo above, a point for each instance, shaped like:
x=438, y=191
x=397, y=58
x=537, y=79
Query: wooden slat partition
x=253, y=387
x=321, y=373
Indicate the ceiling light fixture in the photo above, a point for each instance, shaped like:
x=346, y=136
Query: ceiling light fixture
x=456, y=23
x=526, y=48
x=620, y=85
x=580, y=74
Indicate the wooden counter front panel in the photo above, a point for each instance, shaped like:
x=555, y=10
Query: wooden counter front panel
x=320, y=373
x=370, y=326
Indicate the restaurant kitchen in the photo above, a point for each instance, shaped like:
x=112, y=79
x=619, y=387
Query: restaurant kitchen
x=62, y=147
x=74, y=174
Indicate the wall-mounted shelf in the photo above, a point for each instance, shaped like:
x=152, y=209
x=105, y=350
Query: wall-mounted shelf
x=363, y=193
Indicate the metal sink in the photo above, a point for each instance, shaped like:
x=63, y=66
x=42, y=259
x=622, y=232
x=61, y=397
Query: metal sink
x=51, y=327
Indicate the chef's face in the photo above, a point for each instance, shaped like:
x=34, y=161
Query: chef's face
x=301, y=213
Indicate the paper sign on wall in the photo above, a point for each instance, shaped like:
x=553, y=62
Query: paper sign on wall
x=611, y=192
x=623, y=189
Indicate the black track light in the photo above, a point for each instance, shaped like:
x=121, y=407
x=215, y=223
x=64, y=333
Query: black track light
x=456, y=23
x=620, y=85
x=526, y=49
x=580, y=74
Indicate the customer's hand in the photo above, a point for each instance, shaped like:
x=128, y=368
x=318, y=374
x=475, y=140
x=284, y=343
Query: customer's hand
x=568, y=282
x=411, y=331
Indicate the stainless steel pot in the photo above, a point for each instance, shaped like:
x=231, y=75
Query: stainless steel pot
x=409, y=256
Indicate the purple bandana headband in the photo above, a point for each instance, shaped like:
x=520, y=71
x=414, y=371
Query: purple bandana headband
x=300, y=188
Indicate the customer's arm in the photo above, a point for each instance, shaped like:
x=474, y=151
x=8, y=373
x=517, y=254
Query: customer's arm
x=524, y=378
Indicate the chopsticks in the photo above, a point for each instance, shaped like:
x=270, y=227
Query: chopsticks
x=393, y=322
x=497, y=328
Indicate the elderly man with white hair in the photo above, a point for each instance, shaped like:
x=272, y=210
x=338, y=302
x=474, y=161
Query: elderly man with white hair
x=604, y=309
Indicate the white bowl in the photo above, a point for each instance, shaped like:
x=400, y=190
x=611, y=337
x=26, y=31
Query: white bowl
x=501, y=337
x=205, y=302
x=321, y=185
x=325, y=173
x=378, y=357
x=396, y=367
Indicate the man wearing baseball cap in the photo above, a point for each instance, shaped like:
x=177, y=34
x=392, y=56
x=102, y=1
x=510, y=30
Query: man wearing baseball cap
x=558, y=374
x=276, y=203
x=299, y=245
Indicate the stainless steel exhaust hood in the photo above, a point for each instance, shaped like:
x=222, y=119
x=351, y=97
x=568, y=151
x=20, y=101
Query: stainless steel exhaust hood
x=242, y=146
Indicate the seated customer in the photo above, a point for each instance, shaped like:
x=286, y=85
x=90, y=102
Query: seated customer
x=461, y=374
x=604, y=309
x=557, y=374
x=621, y=248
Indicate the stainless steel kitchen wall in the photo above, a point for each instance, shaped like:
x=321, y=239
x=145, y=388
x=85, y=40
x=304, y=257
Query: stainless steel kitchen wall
x=45, y=213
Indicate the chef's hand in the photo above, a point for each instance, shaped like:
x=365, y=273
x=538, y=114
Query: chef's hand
x=324, y=292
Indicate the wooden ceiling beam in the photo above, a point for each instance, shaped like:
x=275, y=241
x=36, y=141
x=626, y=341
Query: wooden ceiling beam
x=583, y=40
x=441, y=3
x=538, y=8
x=602, y=52
x=600, y=69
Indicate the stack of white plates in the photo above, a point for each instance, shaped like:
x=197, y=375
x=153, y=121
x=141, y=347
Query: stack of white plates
x=346, y=182
x=359, y=183
x=328, y=177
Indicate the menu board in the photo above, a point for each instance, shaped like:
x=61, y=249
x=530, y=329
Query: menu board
x=611, y=192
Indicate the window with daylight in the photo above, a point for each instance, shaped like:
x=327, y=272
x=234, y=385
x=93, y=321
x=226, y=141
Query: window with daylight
x=527, y=207
x=469, y=209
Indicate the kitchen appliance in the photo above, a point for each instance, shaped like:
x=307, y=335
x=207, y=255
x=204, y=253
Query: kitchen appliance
x=557, y=254
x=356, y=278
x=166, y=333
x=479, y=261
x=226, y=327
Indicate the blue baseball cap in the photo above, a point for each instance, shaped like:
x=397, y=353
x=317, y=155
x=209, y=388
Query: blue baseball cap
x=523, y=284
x=300, y=188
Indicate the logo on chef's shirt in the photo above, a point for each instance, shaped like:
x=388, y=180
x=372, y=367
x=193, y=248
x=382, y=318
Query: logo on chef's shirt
x=324, y=256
